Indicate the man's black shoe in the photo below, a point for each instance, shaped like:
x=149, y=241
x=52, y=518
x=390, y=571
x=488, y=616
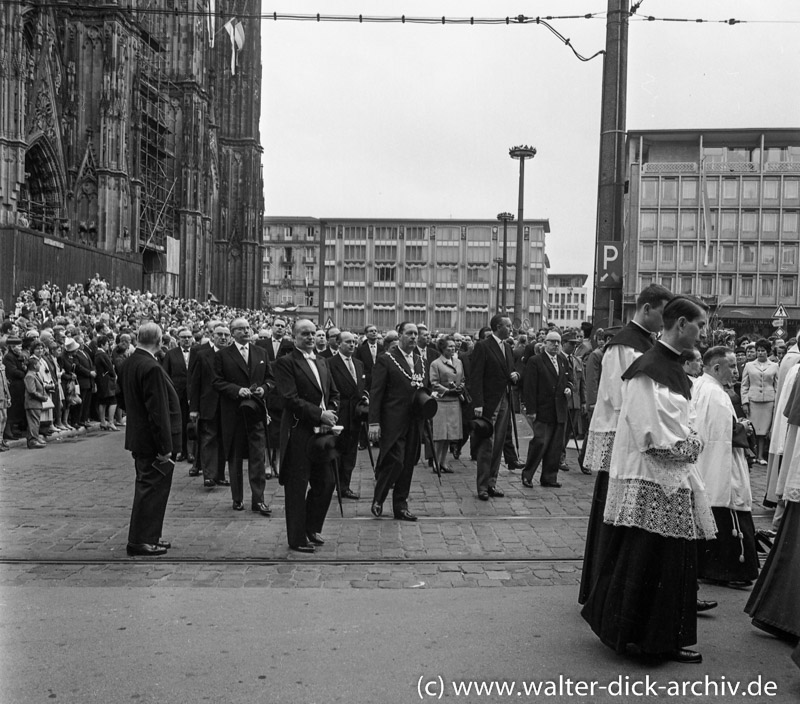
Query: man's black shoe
x=315, y=538
x=706, y=605
x=194, y=472
x=209, y=483
x=302, y=548
x=164, y=544
x=189, y=458
x=350, y=494
x=483, y=495
x=494, y=491
x=551, y=485
x=377, y=509
x=527, y=483
x=222, y=482
x=515, y=464
x=564, y=467
x=238, y=506
x=144, y=550
x=684, y=655
x=261, y=508
x=586, y=470
x=404, y=515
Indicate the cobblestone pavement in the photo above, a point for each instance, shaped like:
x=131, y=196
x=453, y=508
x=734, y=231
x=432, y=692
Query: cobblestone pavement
x=64, y=518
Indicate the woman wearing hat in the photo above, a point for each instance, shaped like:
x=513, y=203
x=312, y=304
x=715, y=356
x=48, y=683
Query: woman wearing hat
x=106, y=384
x=69, y=380
x=447, y=380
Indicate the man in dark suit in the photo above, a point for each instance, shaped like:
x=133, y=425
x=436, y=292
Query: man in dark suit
x=348, y=375
x=86, y=374
x=491, y=373
x=152, y=431
x=332, y=336
x=176, y=365
x=204, y=409
x=310, y=400
x=368, y=351
x=243, y=374
x=395, y=378
x=546, y=389
x=276, y=346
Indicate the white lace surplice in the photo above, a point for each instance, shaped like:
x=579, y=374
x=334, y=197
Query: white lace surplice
x=653, y=481
x=600, y=442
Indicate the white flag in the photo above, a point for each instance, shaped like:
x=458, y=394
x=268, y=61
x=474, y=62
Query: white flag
x=211, y=14
x=235, y=30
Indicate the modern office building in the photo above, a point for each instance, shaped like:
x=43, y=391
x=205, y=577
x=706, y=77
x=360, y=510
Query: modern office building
x=716, y=213
x=566, y=299
x=446, y=273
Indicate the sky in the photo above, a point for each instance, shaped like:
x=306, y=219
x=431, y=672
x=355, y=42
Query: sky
x=415, y=121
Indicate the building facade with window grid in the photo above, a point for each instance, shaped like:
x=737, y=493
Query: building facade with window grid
x=716, y=213
x=566, y=299
x=380, y=271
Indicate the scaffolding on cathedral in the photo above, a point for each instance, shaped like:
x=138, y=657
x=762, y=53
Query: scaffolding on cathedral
x=155, y=150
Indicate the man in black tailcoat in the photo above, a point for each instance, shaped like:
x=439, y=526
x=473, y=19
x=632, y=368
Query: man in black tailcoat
x=348, y=375
x=176, y=365
x=491, y=371
x=152, y=430
x=204, y=409
x=310, y=400
x=395, y=378
x=243, y=380
x=276, y=346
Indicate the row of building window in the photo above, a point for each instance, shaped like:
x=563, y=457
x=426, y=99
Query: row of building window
x=728, y=223
x=764, y=253
x=389, y=295
x=743, y=287
x=448, y=319
x=568, y=297
x=665, y=190
x=567, y=314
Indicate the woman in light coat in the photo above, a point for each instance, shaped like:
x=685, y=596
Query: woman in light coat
x=447, y=381
x=759, y=384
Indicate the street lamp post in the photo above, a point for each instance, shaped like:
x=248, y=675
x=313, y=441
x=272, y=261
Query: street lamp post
x=498, y=301
x=521, y=153
x=505, y=218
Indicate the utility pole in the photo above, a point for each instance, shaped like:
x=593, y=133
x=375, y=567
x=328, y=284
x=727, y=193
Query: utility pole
x=520, y=153
x=608, y=269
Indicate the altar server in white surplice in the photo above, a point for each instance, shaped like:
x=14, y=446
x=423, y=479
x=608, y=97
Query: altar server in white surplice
x=731, y=558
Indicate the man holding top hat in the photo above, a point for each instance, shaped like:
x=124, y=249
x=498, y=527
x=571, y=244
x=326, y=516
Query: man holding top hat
x=310, y=402
x=491, y=372
x=395, y=410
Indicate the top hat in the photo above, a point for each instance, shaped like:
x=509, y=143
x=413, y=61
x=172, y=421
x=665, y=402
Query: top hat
x=362, y=408
x=191, y=430
x=253, y=410
x=424, y=404
x=482, y=427
x=322, y=447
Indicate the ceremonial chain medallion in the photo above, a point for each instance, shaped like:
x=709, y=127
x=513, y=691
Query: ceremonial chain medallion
x=415, y=379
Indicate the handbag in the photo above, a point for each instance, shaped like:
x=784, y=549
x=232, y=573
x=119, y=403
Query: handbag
x=73, y=394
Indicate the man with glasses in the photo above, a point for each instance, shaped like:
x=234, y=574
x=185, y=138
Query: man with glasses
x=243, y=380
x=547, y=385
x=176, y=364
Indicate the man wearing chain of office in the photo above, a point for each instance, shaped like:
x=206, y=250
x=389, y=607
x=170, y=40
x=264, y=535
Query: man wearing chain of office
x=396, y=377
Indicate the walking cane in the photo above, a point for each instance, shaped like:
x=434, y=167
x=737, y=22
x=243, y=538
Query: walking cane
x=575, y=439
x=513, y=421
x=429, y=425
x=335, y=463
x=369, y=449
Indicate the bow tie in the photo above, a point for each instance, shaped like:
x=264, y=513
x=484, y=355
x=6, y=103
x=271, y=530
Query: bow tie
x=309, y=355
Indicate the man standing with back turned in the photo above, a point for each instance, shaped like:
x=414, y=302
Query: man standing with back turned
x=151, y=432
